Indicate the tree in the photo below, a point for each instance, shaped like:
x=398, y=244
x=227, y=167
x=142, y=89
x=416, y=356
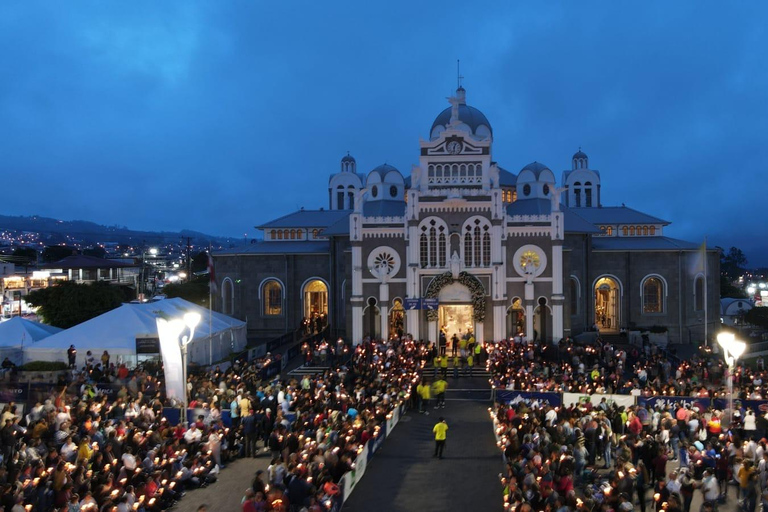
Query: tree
x=199, y=262
x=195, y=290
x=69, y=303
x=24, y=255
x=727, y=290
x=95, y=251
x=56, y=253
x=732, y=263
x=758, y=317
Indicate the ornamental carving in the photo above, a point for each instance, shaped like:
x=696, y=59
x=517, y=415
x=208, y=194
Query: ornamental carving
x=464, y=278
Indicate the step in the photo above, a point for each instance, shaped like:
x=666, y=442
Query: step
x=309, y=370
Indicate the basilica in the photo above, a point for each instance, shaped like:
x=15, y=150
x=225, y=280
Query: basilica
x=462, y=245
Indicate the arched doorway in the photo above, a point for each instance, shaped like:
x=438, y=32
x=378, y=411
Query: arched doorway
x=455, y=314
x=397, y=319
x=607, y=299
x=542, y=321
x=515, y=318
x=316, y=303
x=371, y=320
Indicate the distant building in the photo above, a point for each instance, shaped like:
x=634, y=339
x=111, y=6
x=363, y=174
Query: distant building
x=499, y=253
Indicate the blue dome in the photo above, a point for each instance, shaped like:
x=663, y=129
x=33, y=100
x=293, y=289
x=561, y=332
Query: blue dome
x=383, y=169
x=467, y=115
x=348, y=158
x=535, y=167
x=579, y=154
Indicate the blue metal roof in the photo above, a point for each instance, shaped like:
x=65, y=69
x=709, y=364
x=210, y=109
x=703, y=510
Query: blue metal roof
x=642, y=243
x=574, y=223
x=467, y=115
x=306, y=219
x=338, y=228
x=617, y=215
x=280, y=247
x=384, y=208
x=506, y=178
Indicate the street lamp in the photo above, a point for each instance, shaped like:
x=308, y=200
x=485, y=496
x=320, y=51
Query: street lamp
x=732, y=350
x=143, y=287
x=174, y=345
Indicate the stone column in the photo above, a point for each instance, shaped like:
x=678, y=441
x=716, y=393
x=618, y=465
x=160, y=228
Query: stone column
x=384, y=310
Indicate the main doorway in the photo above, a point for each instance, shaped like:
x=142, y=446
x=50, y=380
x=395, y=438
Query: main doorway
x=607, y=304
x=456, y=319
x=515, y=319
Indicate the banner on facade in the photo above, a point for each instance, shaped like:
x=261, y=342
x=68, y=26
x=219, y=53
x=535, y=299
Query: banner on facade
x=579, y=398
x=650, y=402
x=531, y=398
x=759, y=406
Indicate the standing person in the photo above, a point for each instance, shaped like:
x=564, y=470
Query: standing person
x=439, y=387
x=105, y=360
x=454, y=344
x=71, y=355
x=440, y=429
x=423, y=391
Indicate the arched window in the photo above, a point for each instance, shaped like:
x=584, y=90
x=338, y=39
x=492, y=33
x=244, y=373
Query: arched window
x=652, y=231
x=609, y=231
x=432, y=243
x=631, y=230
x=577, y=193
x=340, y=197
x=227, y=297
x=272, y=297
x=293, y=234
x=698, y=291
x=477, y=242
x=588, y=194
x=273, y=234
x=645, y=230
x=299, y=234
x=351, y=197
x=279, y=234
x=574, y=296
x=653, y=295
x=314, y=233
x=624, y=230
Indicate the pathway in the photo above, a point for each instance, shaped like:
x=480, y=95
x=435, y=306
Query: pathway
x=403, y=475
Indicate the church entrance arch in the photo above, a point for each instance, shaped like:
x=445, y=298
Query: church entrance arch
x=607, y=303
x=515, y=318
x=455, y=315
x=315, y=295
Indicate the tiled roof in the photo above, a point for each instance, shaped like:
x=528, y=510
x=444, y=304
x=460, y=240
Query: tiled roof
x=83, y=261
x=306, y=219
x=289, y=247
x=506, y=178
x=642, y=243
x=617, y=215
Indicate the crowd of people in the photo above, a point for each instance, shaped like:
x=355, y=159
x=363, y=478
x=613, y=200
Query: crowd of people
x=585, y=457
x=82, y=448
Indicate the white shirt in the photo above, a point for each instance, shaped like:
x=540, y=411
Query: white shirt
x=129, y=461
x=193, y=436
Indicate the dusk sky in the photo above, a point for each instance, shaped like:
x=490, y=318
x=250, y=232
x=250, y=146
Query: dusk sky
x=218, y=116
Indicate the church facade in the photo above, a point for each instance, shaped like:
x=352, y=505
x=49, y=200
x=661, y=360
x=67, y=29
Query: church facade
x=462, y=245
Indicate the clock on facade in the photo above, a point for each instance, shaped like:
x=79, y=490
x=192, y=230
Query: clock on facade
x=453, y=147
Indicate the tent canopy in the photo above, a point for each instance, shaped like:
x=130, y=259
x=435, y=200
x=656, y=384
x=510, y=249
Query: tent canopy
x=116, y=331
x=18, y=331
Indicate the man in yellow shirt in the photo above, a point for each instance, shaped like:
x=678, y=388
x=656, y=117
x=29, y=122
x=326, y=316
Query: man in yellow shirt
x=423, y=391
x=439, y=387
x=440, y=429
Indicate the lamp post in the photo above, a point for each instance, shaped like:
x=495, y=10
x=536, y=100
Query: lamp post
x=170, y=331
x=732, y=350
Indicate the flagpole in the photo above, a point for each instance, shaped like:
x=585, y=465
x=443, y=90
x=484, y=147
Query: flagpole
x=210, y=307
x=706, y=278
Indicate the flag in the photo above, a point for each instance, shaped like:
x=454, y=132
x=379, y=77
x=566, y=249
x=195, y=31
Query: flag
x=699, y=260
x=211, y=274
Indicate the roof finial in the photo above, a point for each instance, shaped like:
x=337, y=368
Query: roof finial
x=579, y=149
x=459, y=78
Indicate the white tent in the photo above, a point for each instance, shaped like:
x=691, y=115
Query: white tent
x=17, y=333
x=117, y=331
